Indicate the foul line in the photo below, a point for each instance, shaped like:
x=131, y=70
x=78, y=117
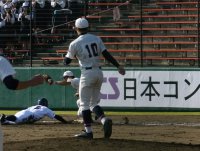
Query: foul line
x=188, y=124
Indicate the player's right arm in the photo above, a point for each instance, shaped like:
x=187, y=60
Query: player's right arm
x=63, y=83
x=14, y=84
x=7, y=76
x=70, y=53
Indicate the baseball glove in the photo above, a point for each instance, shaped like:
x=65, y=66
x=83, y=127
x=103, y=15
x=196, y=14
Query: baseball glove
x=48, y=79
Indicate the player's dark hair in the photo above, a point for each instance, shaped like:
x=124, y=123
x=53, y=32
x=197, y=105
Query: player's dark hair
x=83, y=30
x=43, y=102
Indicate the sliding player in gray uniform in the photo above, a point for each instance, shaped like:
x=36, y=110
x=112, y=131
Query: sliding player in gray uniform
x=32, y=114
x=87, y=48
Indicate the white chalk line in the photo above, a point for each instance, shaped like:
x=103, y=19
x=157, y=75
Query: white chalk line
x=189, y=124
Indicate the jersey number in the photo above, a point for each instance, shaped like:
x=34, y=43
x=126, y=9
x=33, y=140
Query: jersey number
x=92, y=50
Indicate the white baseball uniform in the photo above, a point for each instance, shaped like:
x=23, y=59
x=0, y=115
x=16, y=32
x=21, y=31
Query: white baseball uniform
x=33, y=113
x=88, y=49
x=6, y=68
x=75, y=83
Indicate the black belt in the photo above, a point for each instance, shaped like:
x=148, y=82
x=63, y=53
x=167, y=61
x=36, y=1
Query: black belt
x=89, y=68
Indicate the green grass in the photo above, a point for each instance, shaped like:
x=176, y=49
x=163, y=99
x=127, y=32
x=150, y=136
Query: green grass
x=10, y=112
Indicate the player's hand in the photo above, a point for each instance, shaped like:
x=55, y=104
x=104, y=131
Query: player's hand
x=47, y=79
x=121, y=70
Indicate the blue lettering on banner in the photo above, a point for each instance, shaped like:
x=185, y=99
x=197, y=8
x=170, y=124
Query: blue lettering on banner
x=113, y=82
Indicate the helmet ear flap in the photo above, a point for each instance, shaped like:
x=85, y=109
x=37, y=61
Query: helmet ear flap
x=43, y=102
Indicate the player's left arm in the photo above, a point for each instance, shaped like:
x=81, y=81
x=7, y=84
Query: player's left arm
x=60, y=118
x=111, y=59
x=52, y=115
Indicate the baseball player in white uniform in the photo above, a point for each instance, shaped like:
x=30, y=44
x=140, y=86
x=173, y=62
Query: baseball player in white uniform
x=70, y=79
x=7, y=77
x=87, y=48
x=32, y=114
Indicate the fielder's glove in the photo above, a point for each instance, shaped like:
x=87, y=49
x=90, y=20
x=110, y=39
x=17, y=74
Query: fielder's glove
x=48, y=79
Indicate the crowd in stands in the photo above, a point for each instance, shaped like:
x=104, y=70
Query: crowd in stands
x=17, y=16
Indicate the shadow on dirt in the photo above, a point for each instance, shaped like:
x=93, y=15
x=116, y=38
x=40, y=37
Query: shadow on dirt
x=74, y=144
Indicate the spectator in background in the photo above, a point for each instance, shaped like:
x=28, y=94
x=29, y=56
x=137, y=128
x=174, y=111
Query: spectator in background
x=1, y=6
x=2, y=31
x=16, y=10
x=77, y=8
x=24, y=19
x=59, y=17
x=116, y=13
x=9, y=20
x=39, y=14
x=42, y=14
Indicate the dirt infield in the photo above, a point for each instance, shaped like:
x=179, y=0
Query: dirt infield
x=131, y=133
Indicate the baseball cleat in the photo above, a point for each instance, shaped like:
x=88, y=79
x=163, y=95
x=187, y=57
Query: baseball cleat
x=85, y=135
x=2, y=118
x=107, y=127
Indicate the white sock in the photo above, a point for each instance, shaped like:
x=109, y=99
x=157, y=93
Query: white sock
x=9, y=122
x=88, y=129
x=103, y=120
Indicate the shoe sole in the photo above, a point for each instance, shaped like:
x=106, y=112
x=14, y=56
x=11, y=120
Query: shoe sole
x=84, y=137
x=107, y=128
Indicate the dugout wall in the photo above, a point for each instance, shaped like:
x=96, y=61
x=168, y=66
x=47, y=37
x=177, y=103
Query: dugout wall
x=140, y=89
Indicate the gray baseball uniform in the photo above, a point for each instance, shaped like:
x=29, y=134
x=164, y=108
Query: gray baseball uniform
x=88, y=48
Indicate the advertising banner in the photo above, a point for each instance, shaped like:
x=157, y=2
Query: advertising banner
x=177, y=89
